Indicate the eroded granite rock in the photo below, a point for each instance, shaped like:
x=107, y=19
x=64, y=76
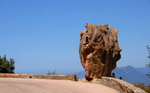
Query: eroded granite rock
x=99, y=50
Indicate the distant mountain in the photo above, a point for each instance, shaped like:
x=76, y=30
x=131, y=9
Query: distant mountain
x=143, y=70
x=129, y=74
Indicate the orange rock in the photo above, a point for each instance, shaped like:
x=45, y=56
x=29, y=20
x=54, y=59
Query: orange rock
x=99, y=50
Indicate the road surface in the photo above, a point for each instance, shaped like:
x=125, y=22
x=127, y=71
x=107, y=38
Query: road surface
x=16, y=85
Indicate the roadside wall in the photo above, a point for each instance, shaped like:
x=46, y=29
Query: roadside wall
x=56, y=77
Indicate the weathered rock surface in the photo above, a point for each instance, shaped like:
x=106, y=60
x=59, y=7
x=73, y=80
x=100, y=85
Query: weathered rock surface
x=99, y=50
x=119, y=85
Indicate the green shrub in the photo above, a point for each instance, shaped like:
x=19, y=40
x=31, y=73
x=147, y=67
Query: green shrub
x=51, y=73
x=6, y=66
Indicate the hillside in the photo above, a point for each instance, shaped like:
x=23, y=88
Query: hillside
x=128, y=73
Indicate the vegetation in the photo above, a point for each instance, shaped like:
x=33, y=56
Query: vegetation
x=51, y=73
x=142, y=86
x=6, y=66
x=148, y=65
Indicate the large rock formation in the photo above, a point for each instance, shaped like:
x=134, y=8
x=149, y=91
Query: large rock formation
x=99, y=50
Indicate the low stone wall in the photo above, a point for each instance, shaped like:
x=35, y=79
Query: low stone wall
x=56, y=77
x=118, y=84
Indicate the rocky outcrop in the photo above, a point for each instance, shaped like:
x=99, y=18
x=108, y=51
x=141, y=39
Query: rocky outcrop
x=99, y=50
x=119, y=85
x=56, y=77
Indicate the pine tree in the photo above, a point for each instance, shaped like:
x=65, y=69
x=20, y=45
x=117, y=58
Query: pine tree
x=148, y=65
x=7, y=66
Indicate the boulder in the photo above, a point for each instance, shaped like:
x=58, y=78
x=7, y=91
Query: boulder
x=99, y=50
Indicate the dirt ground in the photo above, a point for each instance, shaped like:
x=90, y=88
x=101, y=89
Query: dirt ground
x=16, y=85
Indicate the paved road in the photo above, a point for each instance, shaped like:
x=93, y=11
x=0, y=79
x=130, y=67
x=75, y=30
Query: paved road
x=12, y=85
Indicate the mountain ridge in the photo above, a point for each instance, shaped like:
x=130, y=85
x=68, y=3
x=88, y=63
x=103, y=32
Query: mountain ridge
x=128, y=73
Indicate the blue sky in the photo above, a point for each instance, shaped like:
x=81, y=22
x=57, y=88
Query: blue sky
x=44, y=35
